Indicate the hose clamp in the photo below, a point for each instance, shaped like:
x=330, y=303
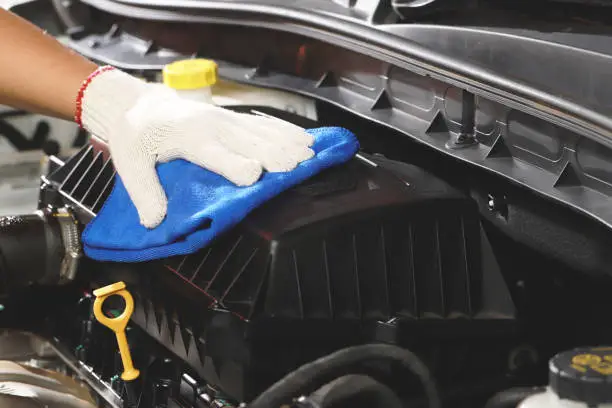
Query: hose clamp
x=73, y=251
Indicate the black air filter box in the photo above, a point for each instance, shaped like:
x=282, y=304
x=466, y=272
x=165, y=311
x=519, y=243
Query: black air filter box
x=374, y=250
x=357, y=242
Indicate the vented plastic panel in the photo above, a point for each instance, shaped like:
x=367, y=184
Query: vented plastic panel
x=407, y=259
x=85, y=180
x=358, y=262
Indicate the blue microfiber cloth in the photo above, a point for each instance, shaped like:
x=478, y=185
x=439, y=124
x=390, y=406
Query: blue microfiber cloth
x=197, y=197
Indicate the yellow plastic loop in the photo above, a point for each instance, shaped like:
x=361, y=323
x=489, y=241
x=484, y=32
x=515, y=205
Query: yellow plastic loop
x=118, y=324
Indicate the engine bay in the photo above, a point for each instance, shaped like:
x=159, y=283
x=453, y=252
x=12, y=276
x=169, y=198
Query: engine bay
x=373, y=250
x=403, y=278
x=378, y=251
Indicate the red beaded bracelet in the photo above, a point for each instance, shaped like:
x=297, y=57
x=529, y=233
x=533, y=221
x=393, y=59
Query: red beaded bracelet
x=84, y=85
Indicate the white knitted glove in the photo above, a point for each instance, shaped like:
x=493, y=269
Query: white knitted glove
x=148, y=123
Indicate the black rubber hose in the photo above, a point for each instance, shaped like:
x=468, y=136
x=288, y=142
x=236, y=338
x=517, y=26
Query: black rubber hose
x=512, y=397
x=312, y=376
x=354, y=391
x=31, y=251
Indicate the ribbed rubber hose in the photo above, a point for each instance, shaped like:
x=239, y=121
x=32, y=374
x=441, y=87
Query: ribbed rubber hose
x=312, y=376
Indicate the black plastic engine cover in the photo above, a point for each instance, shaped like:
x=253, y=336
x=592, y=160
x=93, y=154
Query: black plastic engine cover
x=349, y=244
x=374, y=250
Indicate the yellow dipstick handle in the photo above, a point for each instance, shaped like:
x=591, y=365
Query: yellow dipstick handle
x=118, y=324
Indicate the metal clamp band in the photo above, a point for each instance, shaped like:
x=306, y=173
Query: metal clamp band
x=72, y=244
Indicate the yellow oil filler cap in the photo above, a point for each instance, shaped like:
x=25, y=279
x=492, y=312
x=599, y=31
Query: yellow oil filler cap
x=190, y=74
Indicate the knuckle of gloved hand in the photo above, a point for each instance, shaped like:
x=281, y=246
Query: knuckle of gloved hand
x=157, y=131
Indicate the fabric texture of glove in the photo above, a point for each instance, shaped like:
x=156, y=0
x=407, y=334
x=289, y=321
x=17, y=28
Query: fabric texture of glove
x=201, y=205
x=146, y=124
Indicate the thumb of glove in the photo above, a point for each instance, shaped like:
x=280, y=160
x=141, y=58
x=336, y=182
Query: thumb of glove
x=138, y=173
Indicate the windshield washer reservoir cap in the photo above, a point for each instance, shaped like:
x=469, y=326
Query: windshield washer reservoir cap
x=190, y=74
x=583, y=375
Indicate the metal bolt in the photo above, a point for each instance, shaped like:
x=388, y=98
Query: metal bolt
x=492, y=204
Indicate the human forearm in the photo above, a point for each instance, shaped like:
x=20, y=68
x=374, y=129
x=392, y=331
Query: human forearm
x=38, y=73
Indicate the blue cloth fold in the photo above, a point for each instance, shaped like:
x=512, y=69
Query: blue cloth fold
x=201, y=204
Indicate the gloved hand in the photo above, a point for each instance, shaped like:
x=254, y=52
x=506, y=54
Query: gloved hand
x=144, y=124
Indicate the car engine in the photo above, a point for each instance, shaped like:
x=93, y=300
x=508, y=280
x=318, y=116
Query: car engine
x=374, y=251
x=404, y=278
